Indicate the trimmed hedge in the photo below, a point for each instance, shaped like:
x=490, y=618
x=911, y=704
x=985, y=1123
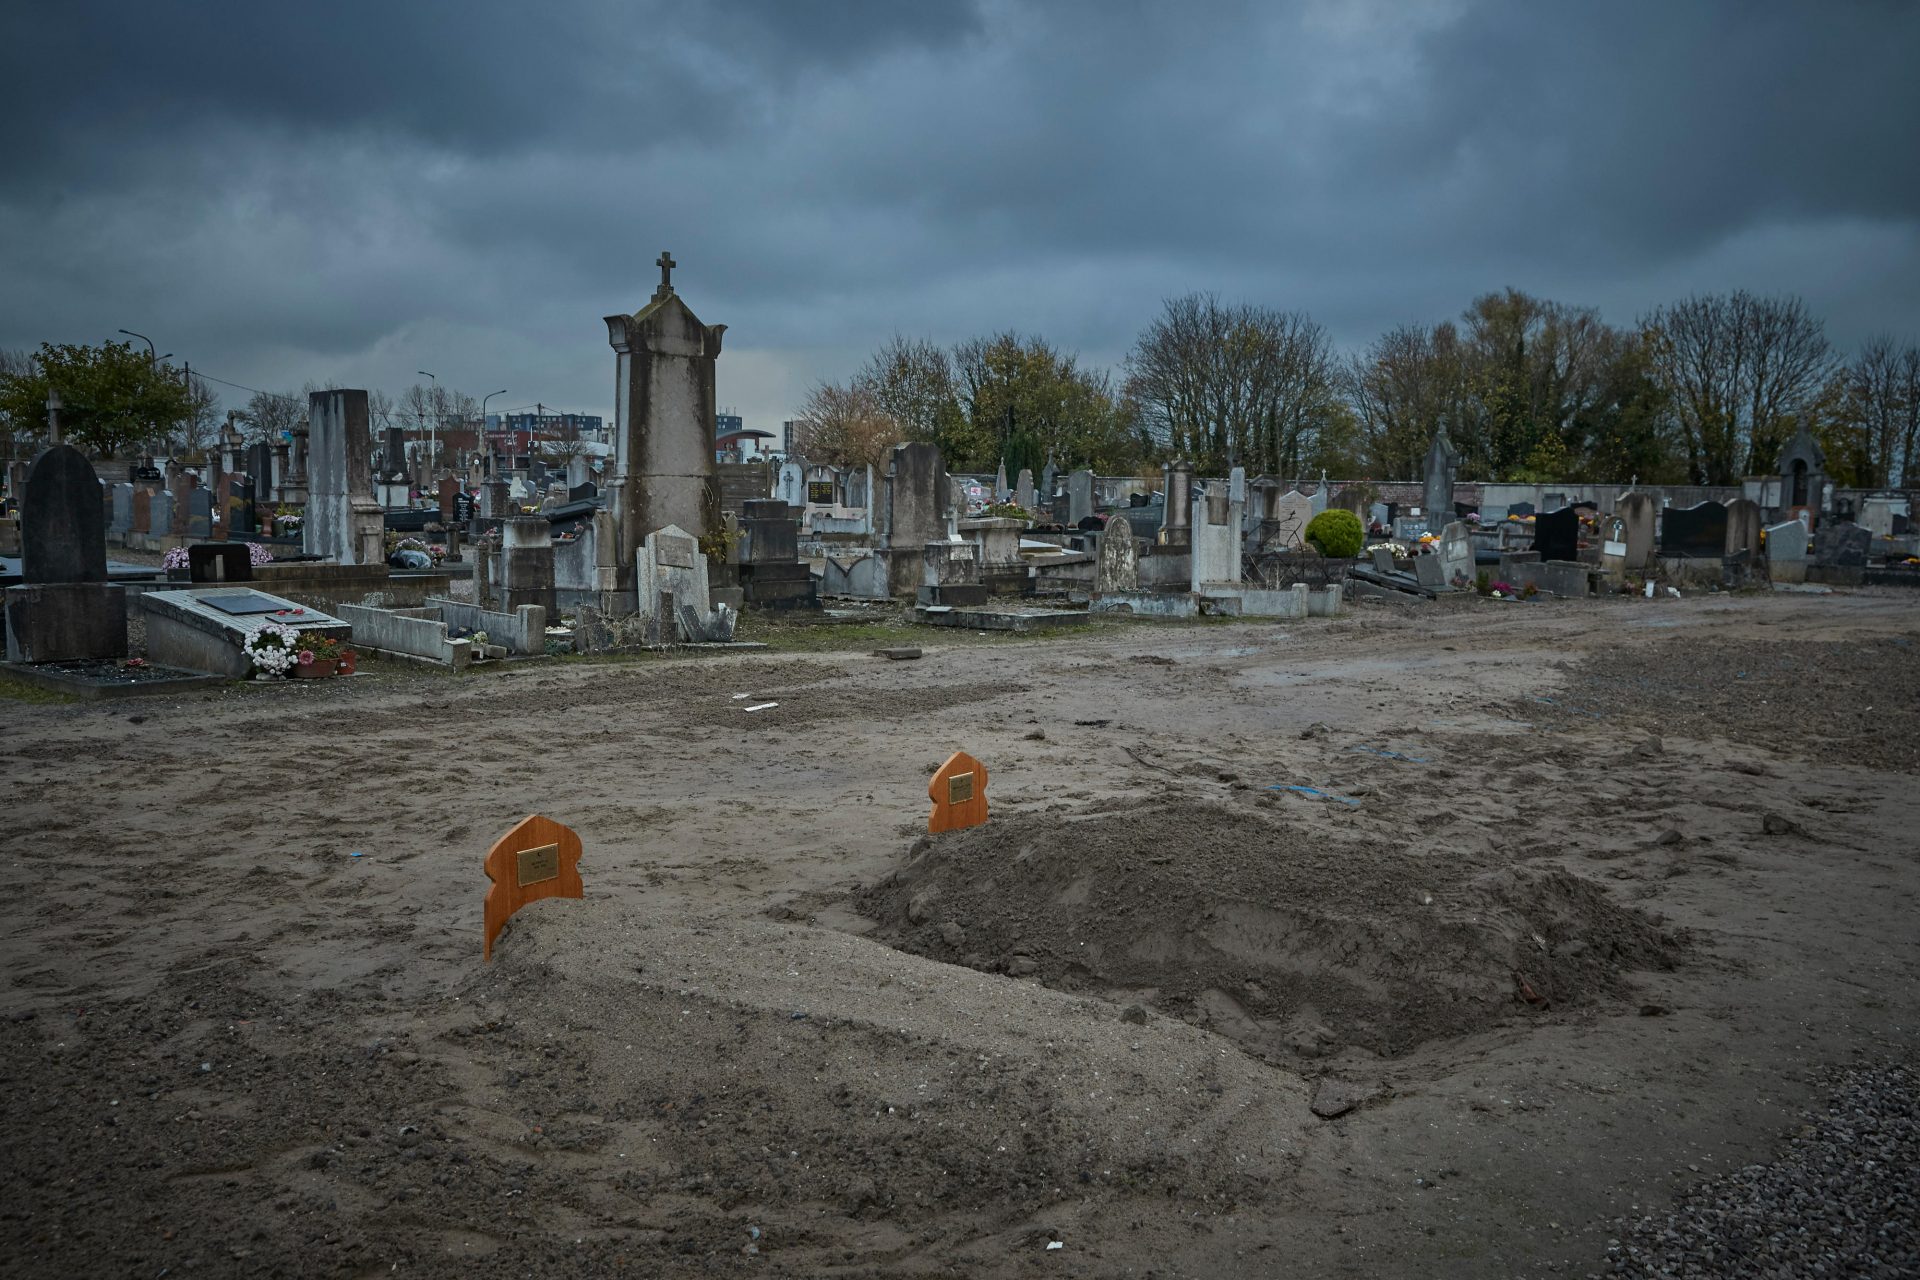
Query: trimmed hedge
x=1336, y=534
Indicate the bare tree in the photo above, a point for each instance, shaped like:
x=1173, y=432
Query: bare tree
x=1873, y=411
x=911, y=380
x=845, y=426
x=270, y=414
x=1408, y=383
x=200, y=427
x=1739, y=368
x=1231, y=385
x=1910, y=418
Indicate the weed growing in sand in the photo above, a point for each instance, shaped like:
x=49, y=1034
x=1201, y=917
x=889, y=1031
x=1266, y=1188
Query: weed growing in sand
x=15, y=689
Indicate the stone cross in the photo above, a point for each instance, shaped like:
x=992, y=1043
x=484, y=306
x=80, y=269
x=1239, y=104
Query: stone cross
x=666, y=264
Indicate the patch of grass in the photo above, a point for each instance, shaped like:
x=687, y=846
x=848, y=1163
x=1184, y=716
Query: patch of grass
x=14, y=689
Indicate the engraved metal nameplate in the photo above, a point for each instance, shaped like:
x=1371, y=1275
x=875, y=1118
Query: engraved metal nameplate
x=959, y=788
x=542, y=863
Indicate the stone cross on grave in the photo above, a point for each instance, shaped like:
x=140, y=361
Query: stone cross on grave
x=666, y=264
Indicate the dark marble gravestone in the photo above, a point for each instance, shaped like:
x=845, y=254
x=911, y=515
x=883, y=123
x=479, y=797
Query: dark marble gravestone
x=1556, y=534
x=219, y=562
x=66, y=609
x=1698, y=532
x=1521, y=509
x=63, y=527
x=1842, y=546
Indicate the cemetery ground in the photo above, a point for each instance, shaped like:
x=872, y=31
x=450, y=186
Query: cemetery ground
x=1578, y=910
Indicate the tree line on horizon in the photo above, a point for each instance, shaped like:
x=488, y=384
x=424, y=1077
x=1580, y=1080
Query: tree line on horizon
x=1701, y=391
x=115, y=397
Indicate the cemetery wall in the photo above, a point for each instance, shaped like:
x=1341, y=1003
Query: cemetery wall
x=325, y=585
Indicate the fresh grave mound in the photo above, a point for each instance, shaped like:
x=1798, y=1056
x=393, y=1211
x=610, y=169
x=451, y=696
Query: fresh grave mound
x=1289, y=942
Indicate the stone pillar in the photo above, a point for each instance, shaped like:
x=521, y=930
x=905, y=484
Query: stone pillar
x=526, y=564
x=663, y=470
x=343, y=522
x=1436, y=494
x=1176, y=529
x=292, y=488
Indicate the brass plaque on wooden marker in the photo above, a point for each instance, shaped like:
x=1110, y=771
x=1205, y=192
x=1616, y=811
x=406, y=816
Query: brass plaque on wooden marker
x=959, y=788
x=539, y=864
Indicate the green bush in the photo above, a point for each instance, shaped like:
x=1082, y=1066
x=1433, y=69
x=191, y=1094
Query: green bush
x=1337, y=534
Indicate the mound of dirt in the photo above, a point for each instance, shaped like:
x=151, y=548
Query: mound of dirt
x=1290, y=943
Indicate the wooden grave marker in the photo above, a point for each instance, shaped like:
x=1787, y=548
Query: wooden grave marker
x=959, y=794
x=538, y=859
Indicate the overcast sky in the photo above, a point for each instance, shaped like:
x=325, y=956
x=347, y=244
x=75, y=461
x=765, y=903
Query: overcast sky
x=355, y=191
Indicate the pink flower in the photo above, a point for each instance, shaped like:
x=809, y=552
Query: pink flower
x=306, y=657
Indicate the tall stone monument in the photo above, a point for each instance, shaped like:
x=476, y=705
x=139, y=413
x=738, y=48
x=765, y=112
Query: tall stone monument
x=1803, y=476
x=663, y=470
x=343, y=521
x=1436, y=495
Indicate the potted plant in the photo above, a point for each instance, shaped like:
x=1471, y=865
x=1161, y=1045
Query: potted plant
x=320, y=656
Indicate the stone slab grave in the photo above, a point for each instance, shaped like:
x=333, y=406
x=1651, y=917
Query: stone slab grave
x=858, y=577
x=1215, y=539
x=538, y=859
x=1017, y=621
x=1842, y=549
x=1288, y=518
x=950, y=575
x=1698, y=532
x=203, y=628
x=446, y=632
x=672, y=586
x=1556, y=534
x=65, y=610
x=1118, y=567
x=1456, y=556
x=772, y=575
x=1787, y=552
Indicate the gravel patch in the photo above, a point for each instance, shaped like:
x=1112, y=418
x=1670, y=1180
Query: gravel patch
x=1841, y=1201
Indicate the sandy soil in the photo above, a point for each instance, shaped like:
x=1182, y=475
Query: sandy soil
x=1620, y=882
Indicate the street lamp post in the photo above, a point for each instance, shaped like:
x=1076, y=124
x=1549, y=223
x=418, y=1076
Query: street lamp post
x=144, y=338
x=152, y=360
x=433, y=447
x=483, y=423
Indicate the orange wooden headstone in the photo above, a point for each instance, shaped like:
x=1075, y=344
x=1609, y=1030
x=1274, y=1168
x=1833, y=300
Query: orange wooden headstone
x=959, y=794
x=538, y=859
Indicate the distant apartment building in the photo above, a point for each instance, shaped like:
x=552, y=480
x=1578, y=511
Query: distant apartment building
x=513, y=434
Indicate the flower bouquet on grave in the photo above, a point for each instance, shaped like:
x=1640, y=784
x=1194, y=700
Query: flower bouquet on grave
x=272, y=649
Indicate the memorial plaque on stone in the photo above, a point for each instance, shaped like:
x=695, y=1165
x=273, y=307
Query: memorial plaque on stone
x=820, y=493
x=1556, y=535
x=1698, y=532
x=242, y=603
x=676, y=553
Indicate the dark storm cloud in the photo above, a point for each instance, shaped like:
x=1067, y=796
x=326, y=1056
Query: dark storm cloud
x=336, y=190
